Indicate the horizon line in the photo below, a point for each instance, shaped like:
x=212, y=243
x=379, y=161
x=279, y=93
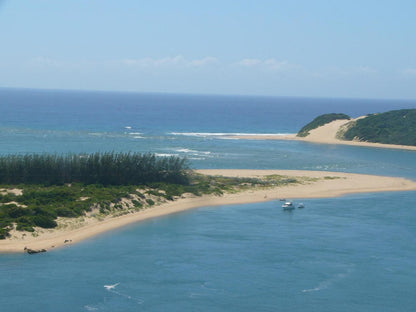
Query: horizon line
x=201, y=94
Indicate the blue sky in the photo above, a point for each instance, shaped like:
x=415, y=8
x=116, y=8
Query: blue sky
x=361, y=49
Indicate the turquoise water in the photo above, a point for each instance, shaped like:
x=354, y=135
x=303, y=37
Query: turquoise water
x=353, y=253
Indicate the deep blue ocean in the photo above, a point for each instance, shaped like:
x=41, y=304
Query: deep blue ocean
x=353, y=253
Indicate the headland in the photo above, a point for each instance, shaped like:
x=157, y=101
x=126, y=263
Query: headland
x=326, y=134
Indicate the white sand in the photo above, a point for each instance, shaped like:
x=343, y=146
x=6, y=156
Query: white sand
x=325, y=134
x=345, y=183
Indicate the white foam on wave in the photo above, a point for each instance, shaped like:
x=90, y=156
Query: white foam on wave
x=200, y=134
x=186, y=150
x=322, y=285
x=127, y=127
x=225, y=134
x=106, y=134
x=165, y=155
x=190, y=151
x=109, y=287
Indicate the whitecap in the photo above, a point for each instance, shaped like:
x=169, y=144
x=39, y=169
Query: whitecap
x=186, y=150
x=110, y=287
x=226, y=134
x=165, y=155
x=193, y=152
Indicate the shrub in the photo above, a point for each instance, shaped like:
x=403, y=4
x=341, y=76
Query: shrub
x=137, y=204
x=44, y=222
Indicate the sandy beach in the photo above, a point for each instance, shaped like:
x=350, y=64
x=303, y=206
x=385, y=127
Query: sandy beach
x=328, y=184
x=325, y=134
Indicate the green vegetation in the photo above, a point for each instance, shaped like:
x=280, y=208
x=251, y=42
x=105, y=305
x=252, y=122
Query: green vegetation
x=393, y=127
x=320, y=121
x=99, y=168
x=41, y=205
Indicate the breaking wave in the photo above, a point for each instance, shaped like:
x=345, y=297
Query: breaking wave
x=223, y=134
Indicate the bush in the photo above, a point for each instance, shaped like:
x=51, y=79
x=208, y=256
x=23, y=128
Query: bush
x=44, y=222
x=137, y=204
x=14, y=211
x=4, y=233
x=25, y=227
x=65, y=212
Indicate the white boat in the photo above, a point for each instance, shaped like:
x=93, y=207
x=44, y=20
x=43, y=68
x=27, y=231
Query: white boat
x=301, y=205
x=288, y=206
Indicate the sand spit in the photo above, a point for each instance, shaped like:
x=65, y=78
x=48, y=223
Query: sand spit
x=325, y=134
x=319, y=184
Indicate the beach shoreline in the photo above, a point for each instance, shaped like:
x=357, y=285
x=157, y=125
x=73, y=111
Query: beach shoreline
x=326, y=184
x=325, y=134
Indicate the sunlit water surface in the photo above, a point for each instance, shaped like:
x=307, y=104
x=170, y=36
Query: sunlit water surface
x=353, y=253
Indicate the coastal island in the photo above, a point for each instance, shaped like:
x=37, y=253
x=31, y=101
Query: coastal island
x=394, y=129
x=71, y=205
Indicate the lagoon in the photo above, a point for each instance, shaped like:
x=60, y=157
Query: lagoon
x=340, y=254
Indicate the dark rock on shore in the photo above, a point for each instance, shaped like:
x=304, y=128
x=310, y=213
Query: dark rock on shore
x=34, y=251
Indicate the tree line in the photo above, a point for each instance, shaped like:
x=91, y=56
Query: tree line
x=108, y=168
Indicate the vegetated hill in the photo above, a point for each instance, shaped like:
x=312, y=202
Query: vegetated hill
x=320, y=121
x=393, y=127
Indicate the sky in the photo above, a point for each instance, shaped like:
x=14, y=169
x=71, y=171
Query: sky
x=308, y=48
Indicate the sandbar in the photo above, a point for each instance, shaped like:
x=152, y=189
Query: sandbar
x=325, y=134
x=326, y=184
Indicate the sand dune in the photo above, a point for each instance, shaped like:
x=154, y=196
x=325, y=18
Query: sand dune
x=325, y=134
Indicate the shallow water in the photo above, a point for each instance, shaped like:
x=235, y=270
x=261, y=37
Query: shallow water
x=350, y=253
x=353, y=253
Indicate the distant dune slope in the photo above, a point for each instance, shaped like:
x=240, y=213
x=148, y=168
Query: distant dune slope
x=320, y=121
